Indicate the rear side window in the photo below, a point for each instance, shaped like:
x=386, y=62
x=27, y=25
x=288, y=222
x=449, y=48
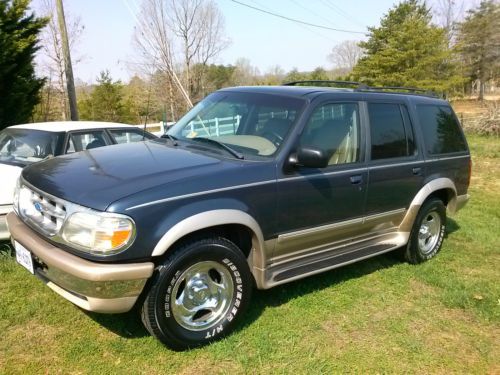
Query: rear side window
x=441, y=130
x=85, y=141
x=129, y=136
x=388, y=134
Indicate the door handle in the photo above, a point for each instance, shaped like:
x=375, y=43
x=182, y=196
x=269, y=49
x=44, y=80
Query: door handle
x=416, y=171
x=356, y=180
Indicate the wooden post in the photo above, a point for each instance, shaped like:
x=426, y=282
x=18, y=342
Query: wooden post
x=70, y=84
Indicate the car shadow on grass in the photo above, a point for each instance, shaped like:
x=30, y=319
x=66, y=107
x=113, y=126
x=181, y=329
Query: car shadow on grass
x=451, y=226
x=282, y=294
x=6, y=248
x=129, y=325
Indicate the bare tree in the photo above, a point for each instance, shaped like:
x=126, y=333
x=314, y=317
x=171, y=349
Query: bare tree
x=53, y=58
x=191, y=29
x=245, y=73
x=447, y=13
x=212, y=27
x=345, y=55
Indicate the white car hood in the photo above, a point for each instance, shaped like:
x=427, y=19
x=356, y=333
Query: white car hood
x=8, y=177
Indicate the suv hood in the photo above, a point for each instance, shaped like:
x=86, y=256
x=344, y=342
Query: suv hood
x=98, y=177
x=9, y=174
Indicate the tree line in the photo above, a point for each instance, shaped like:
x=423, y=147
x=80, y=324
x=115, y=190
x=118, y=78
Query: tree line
x=179, y=40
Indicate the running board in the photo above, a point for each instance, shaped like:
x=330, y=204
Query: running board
x=316, y=263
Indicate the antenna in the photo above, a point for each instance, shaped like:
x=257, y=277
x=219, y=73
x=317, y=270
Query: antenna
x=147, y=109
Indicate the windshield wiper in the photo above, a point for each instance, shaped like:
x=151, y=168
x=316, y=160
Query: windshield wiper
x=233, y=152
x=170, y=137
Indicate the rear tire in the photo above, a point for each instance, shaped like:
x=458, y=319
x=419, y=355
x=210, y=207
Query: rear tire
x=198, y=294
x=427, y=233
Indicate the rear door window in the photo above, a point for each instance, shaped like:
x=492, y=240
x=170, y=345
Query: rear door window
x=441, y=130
x=129, y=135
x=389, y=137
x=85, y=141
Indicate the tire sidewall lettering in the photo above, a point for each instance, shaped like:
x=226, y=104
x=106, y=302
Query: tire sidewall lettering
x=214, y=331
x=439, y=242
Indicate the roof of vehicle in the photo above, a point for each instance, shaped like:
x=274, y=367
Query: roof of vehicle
x=313, y=91
x=65, y=126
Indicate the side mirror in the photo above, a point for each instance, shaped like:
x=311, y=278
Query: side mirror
x=311, y=157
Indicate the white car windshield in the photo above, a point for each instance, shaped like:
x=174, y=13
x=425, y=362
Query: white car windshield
x=26, y=146
x=244, y=124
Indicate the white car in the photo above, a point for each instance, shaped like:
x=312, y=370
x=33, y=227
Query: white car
x=21, y=145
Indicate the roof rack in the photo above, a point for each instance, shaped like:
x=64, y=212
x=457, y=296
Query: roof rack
x=358, y=86
x=401, y=90
x=319, y=82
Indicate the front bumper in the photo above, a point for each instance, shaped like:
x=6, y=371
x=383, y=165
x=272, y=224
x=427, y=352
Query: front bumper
x=104, y=288
x=4, y=231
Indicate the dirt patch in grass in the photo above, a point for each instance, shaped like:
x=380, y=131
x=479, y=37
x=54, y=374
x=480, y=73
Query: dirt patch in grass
x=454, y=334
x=30, y=345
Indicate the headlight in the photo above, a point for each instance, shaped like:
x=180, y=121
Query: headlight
x=98, y=233
x=16, y=195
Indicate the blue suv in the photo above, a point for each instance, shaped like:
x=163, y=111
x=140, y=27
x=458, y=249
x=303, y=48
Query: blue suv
x=254, y=187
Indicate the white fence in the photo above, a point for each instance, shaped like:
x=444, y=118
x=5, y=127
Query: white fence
x=158, y=128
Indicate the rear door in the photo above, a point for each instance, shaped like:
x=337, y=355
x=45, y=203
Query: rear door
x=396, y=170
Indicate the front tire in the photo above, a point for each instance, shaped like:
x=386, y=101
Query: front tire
x=198, y=294
x=427, y=233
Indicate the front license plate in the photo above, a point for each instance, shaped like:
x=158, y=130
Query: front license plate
x=23, y=257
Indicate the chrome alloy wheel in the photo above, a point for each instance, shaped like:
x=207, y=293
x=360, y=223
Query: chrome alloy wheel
x=202, y=295
x=429, y=232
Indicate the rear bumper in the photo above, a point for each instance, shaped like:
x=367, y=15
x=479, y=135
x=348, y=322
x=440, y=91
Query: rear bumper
x=104, y=288
x=4, y=231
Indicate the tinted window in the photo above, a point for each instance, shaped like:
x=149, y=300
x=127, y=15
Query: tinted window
x=334, y=128
x=387, y=131
x=441, y=130
x=410, y=138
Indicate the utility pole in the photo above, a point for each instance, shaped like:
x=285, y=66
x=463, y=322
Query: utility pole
x=70, y=84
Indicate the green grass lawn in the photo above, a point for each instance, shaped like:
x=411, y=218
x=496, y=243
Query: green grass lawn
x=379, y=315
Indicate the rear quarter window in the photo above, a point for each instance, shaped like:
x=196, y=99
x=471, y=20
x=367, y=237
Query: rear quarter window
x=441, y=130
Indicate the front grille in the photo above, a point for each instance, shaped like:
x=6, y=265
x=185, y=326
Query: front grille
x=41, y=210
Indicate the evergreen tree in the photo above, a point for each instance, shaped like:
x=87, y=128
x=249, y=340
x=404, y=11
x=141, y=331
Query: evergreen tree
x=407, y=50
x=105, y=102
x=319, y=74
x=479, y=43
x=294, y=75
x=19, y=88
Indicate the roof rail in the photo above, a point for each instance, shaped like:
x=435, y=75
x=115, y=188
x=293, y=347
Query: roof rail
x=319, y=82
x=358, y=86
x=401, y=90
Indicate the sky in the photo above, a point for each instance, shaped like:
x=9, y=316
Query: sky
x=267, y=41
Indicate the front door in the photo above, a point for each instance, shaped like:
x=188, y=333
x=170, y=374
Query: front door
x=319, y=207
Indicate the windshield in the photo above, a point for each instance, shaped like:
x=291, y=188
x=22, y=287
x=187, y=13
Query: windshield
x=252, y=124
x=26, y=146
